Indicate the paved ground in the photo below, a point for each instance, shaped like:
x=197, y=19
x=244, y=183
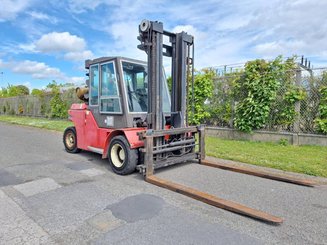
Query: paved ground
x=48, y=196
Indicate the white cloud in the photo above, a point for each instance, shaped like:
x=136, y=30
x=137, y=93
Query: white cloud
x=40, y=71
x=80, y=6
x=76, y=80
x=64, y=44
x=294, y=27
x=186, y=28
x=60, y=42
x=70, y=46
x=197, y=19
x=124, y=41
x=37, y=70
x=233, y=22
x=123, y=33
x=225, y=31
x=270, y=49
x=79, y=56
x=42, y=16
x=26, y=48
x=11, y=8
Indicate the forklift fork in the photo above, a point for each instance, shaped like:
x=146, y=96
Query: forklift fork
x=151, y=163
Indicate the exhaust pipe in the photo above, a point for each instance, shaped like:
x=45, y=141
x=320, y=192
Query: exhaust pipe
x=82, y=93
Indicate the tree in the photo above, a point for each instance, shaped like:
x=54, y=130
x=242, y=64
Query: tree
x=203, y=86
x=13, y=90
x=257, y=91
x=57, y=104
x=53, y=85
x=22, y=90
x=36, y=92
x=321, y=120
x=3, y=92
x=221, y=104
x=58, y=107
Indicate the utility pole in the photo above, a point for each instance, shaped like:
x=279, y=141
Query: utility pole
x=306, y=65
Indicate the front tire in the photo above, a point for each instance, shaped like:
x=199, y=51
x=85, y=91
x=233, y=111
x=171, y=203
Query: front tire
x=122, y=158
x=70, y=140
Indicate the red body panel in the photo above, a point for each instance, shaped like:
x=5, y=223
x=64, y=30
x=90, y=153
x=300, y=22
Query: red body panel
x=90, y=135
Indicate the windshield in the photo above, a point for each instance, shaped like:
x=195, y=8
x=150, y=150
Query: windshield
x=136, y=86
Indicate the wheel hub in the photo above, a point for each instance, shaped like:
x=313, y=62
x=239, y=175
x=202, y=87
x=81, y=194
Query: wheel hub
x=70, y=140
x=117, y=154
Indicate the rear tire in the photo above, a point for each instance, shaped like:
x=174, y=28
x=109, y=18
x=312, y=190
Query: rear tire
x=122, y=158
x=70, y=140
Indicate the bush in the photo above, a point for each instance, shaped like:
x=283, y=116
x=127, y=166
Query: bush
x=259, y=87
x=265, y=95
x=322, y=120
x=203, y=86
x=221, y=104
x=283, y=142
x=58, y=107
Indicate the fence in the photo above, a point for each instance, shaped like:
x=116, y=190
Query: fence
x=288, y=111
x=35, y=106
x=286, y=114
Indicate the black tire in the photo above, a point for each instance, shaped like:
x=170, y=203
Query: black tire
x=122, y=158
x=70, y=140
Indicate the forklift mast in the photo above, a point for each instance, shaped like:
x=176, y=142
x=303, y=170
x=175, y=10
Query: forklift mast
x=151, y=37
x=168, y=139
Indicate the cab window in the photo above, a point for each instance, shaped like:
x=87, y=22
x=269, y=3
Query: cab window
x=109, y=93
x=94, y=77
x=135, y=80
x=136, y=87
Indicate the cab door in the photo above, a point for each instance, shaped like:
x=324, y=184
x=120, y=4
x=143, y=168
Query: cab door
x=91, y=126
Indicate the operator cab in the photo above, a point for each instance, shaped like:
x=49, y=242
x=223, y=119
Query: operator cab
x=118, y=92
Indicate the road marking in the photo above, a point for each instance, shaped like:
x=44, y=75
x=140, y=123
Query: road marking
x=16, y=227
x=37, y=186
x=91, y=172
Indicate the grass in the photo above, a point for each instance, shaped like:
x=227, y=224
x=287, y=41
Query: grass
x=310, y=160
x=52, y=124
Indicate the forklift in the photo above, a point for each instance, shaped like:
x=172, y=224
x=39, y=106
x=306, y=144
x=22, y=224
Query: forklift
x=130, y=117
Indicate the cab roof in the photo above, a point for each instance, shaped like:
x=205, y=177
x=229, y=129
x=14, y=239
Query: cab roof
x=90, y=62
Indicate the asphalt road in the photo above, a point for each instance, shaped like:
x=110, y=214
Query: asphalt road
x=48, y=196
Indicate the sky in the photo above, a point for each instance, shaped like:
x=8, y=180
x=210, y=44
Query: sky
x=45, y=40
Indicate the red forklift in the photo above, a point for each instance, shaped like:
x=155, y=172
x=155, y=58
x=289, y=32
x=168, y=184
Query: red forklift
x=130, y=117
x=127, y=101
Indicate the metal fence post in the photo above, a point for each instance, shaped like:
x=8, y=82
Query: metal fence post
x=297, y=108
x=231, y=120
